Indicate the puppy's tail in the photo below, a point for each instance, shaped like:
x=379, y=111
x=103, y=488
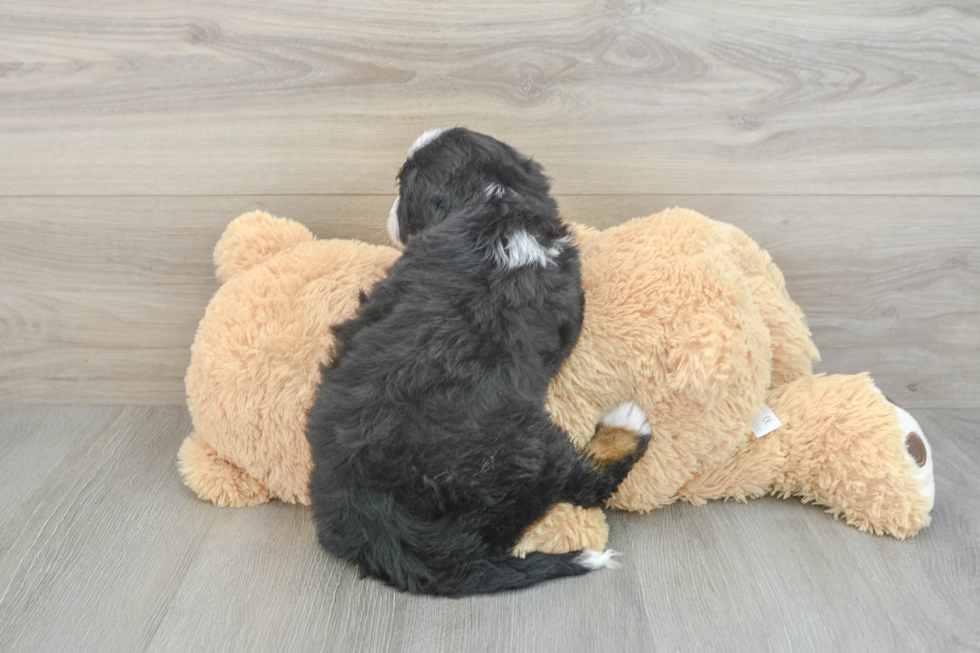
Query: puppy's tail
x=425, y=557
x=487, y=576
x=454, y=570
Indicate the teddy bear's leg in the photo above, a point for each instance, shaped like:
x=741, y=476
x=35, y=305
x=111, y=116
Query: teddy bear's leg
x=841, y=445
x=870, y=462
x=793, y=351
x=214, y=479
x=564, y=529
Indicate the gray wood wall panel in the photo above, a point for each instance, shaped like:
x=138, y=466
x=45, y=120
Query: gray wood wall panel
x=621, y=96
x=100, y=296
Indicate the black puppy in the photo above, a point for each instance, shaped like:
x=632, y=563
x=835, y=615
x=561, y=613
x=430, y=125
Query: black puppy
x=432, y=449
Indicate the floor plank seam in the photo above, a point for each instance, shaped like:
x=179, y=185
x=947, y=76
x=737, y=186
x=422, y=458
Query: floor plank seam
x=557, y=194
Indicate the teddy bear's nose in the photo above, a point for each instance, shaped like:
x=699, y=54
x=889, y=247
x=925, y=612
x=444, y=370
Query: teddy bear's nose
x=916, y=449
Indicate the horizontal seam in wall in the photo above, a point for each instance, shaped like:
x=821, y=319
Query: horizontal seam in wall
x=558, y=194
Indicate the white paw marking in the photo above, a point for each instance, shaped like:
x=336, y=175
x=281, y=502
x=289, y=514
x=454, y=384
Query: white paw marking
x=393, y=231
x=924, y=474
x=521, y=248
x=423, y=140
x=628, y=415
x=592, y=559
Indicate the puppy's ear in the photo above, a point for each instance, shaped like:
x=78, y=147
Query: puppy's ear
x=534, y=169
x=515, y=233
x=421, y=203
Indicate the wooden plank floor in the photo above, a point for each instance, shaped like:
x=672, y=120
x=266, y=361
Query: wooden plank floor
x=102, y=549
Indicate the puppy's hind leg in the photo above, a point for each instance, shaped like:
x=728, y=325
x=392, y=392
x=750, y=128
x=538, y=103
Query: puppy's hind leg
x=620, y=441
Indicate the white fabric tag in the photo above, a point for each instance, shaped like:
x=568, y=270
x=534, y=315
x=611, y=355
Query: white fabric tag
x=766, y=422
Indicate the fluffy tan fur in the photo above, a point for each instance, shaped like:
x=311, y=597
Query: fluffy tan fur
x=255, y=361
x=685, y=315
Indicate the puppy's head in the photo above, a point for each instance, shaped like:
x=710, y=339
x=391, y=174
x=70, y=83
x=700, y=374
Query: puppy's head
x=451, y=169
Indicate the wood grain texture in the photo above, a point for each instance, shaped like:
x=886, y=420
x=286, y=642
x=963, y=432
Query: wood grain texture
x=91, y=556
x=618, y=96
x=105, y=550
x=101, y=296
x=844, y=138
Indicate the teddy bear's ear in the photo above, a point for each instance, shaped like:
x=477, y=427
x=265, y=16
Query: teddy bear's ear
x=252, y=238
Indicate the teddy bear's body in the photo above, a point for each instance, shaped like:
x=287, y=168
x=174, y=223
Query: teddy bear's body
x=691, y=319
x=255, y=362
x=684, y=315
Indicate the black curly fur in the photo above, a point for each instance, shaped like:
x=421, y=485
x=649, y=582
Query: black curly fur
x=432, y=449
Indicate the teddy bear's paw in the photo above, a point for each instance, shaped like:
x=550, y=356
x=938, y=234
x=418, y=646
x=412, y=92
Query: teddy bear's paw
x=916, y=450
x=565, y=528
x=628, y=415
x=218, y=480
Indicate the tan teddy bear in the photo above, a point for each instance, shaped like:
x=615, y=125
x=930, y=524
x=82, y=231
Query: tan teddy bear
x=684, y=315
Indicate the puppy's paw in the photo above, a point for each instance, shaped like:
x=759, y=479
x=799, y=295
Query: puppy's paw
x=612, y=444
x=619, y=442
x=630, y=416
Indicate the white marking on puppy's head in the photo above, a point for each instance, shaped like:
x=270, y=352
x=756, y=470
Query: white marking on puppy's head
x=425, y=139
x=393, y=231
x=495, y=190
x=520, y=249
